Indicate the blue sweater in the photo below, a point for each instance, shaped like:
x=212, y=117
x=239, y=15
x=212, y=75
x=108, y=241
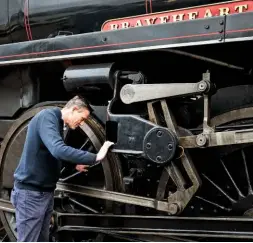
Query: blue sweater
x=40, y=163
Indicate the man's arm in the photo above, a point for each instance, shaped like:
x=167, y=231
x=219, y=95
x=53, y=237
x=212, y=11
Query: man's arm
x=50, y=135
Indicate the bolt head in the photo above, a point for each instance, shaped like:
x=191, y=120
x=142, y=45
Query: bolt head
x=159, y=133
x=173, y=208
x=201, y=140
x=170, y=146
x=148, y=146
x=202, y=86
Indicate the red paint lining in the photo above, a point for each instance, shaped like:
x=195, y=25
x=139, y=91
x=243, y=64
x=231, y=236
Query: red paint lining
x=150, y=6
x=29, y=27
x=124, y=43
x=26, y=20
x=106, y=45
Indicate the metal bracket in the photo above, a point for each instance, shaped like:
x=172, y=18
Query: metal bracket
x=202, y=139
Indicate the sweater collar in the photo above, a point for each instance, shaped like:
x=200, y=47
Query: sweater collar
x=58, y=114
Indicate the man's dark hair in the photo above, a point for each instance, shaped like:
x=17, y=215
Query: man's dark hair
x=79, y=102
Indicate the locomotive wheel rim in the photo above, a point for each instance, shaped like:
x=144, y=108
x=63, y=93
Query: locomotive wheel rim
x=20, y=125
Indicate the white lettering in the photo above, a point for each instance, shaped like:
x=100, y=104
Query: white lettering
x=193, y=15
x=240, y=8
x=164, y=19
x=138, y=23
x=125, y=25
x=114, y=26
x=178, y=17
x=208, y=13
x=151, y=20
x=224, y=11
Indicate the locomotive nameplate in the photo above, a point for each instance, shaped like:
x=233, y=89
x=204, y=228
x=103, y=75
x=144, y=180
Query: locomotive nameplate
x=203, y=11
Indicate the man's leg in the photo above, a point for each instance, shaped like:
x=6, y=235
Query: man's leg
x=30, y=211
x=44, y=234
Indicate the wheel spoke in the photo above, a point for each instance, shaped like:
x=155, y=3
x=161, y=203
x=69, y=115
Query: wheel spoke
x=217, y=187
x=85, y=142
x=250, y=191
x=233, y=182
x=4, y=237
x=83, y=206
x=214, y=204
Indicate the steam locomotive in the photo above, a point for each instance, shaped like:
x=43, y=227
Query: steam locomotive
x=170, y=83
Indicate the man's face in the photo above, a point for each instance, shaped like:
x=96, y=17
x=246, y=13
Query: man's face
x=77, y=117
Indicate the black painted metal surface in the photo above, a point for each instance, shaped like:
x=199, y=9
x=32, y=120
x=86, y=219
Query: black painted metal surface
x=33, y=19
x=45, y=20
x=128, y=40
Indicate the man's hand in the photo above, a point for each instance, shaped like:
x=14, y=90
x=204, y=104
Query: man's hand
x=108, y=144
x=103, y=151
x=82, y=168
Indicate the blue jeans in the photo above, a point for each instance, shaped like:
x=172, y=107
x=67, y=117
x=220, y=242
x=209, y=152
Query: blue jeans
x=33, y=214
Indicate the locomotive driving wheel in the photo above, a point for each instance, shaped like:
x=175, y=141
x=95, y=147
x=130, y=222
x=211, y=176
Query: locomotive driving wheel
x=226, y=173
x=106, y=175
